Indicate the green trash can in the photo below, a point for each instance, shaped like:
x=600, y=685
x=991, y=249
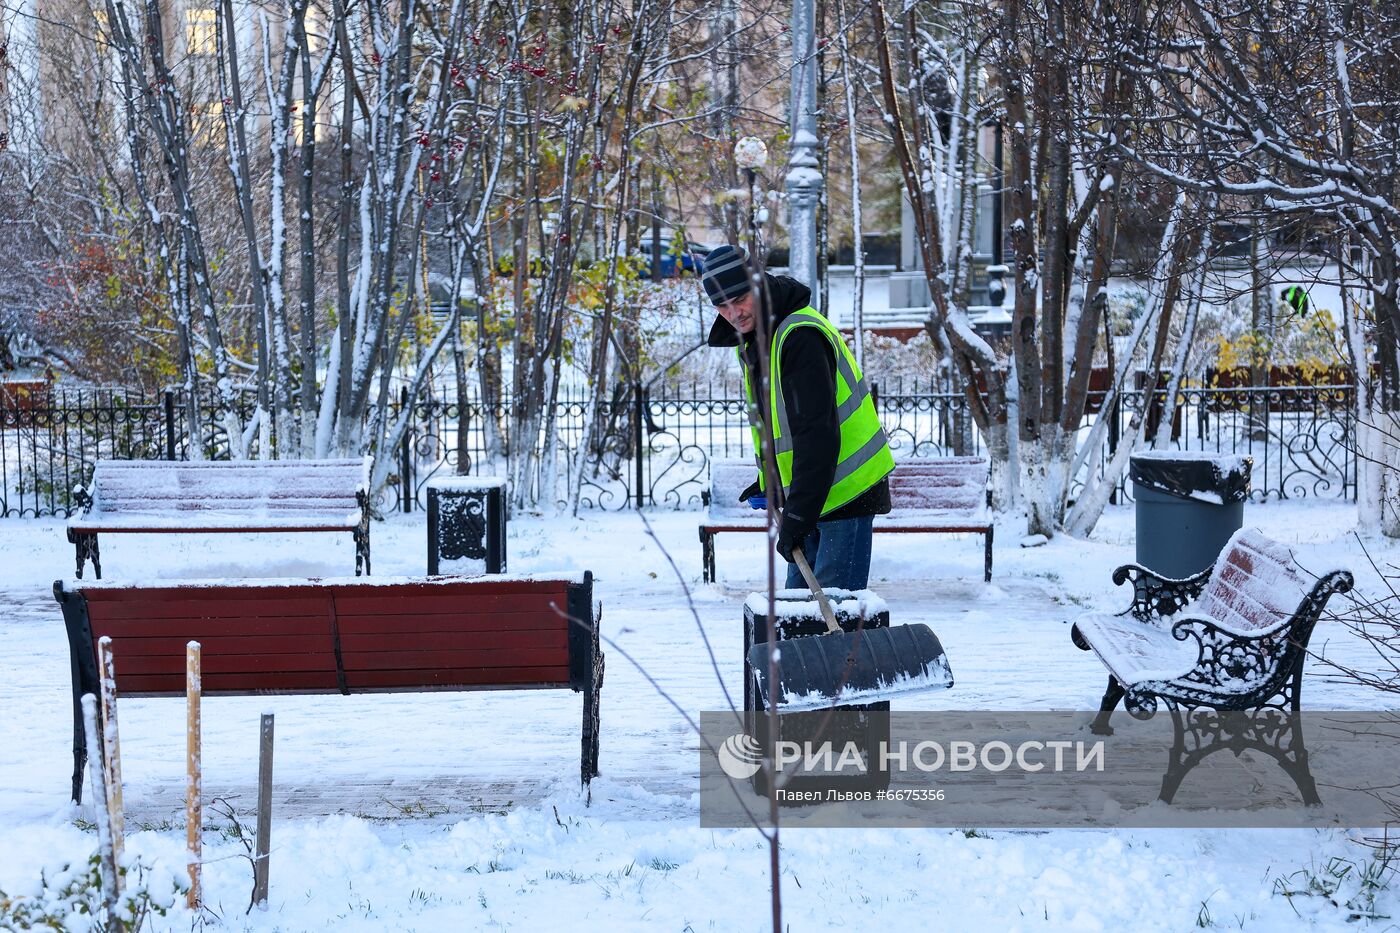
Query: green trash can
x=1189, y=503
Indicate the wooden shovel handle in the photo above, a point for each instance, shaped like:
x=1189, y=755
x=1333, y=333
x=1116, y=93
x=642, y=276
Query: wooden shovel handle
x=801, y=560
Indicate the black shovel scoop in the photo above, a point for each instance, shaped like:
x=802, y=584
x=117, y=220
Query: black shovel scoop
x=864, y=666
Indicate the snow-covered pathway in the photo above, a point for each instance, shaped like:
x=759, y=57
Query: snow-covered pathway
x=453, y=811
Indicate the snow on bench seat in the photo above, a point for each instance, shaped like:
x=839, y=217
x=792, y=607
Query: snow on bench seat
x=1135, y=652
x=1253, y=589
x=215, y=517
x=927, y=495
x=142, y=496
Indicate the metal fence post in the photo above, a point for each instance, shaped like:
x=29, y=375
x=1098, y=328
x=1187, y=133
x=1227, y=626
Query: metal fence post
x=405, y=455
x=638, y=413
x=169, y=425
x=1115, y=430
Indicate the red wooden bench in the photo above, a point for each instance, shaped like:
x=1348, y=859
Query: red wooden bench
x=174, y=497
x=929, y=496
x=339, y=636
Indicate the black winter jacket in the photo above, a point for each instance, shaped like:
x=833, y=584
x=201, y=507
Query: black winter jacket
x=809, y=392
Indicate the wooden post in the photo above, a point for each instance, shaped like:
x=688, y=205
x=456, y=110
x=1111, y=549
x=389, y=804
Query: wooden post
x=111, y=746
x=264, y=839
x=100, y=813
x=193, y=816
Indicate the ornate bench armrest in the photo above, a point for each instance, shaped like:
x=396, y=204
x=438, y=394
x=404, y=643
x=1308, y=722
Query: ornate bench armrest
x=1187, y=625
x=82, y=498
x=1230, y=660
x=1154, y=595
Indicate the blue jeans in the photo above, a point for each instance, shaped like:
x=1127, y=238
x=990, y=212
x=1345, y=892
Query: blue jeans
x=839, y=553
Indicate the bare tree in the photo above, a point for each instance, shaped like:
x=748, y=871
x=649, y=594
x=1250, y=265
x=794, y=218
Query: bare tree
x=1058, y=69
x=1299, y=111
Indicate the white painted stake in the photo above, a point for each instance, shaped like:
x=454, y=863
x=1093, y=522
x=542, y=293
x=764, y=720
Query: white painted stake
x=111, y=744
x=99, y=807
x=193, y=816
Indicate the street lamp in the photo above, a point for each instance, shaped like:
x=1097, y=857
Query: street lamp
x=751, y=155
x=804, y=178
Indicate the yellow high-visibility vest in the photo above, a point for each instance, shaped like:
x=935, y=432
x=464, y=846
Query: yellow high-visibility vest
x=865, y=456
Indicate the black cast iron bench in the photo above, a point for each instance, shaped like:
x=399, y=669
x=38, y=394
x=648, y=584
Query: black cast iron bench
x=340, y=636
x=178, y=497
x=1231, y=638
x=933, y=495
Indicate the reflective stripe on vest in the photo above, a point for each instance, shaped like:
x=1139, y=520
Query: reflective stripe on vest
x=865, y=456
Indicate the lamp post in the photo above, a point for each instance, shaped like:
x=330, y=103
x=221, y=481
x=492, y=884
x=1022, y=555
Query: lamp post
x=804, y=179
x=751, y=155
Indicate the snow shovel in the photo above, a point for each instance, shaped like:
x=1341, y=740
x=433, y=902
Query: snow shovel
x=864, y=666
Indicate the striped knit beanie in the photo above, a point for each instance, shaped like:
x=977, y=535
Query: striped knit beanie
x=726, y=275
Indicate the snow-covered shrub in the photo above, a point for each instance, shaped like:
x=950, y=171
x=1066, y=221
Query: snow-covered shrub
x=70, y=898
x=1125, y=305
x=1226, y=340
x=675, y=318
x=899, y=365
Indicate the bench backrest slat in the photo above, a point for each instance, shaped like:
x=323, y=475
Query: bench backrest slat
x=514, y=635
x=122, y=486
x=1255, y=583
x=261, y=637
x=957, y=490
x=932, y=484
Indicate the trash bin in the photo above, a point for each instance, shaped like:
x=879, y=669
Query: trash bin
x=466, y=525
x=1189, y=503
x=868, y=725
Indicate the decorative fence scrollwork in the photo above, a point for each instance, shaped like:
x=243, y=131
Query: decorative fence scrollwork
x=1300, y=437
x=653, y=447
x=49, y=441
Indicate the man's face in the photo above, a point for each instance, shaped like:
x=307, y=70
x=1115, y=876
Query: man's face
x=740, y=313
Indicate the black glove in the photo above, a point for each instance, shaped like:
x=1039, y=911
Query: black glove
x=792, y=533
x=749, y=493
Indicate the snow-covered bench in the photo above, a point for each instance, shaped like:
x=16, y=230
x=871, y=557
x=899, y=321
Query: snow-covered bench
x=164, y=496
x=1231, y=638
x=928, y=495
x=343, y=635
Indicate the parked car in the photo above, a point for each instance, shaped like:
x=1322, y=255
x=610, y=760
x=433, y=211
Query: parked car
x=674, y=260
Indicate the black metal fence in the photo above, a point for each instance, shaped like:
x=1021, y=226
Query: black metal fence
x=653, y=448
x=1300, y=438
x=49, y=441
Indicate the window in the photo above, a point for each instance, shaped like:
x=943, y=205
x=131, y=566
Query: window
x=109, y=66
x=207, y=123
x=201, y=32
x=295, y=129
x=316, y=29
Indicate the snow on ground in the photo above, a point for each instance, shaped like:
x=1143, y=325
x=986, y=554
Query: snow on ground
x=462, y=811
